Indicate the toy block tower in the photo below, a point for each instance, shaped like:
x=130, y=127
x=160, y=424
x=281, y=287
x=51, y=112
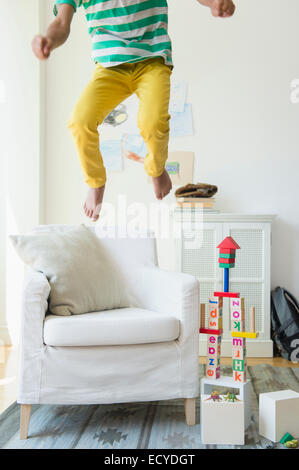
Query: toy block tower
x=212, y=415
x=227, y=256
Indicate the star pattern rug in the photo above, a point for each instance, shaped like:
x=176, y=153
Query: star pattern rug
x=146, y=425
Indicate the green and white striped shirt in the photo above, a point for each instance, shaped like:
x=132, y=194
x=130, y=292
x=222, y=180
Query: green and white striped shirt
x=126, y=30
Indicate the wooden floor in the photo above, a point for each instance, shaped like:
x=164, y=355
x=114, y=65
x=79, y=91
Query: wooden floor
x=9, y=358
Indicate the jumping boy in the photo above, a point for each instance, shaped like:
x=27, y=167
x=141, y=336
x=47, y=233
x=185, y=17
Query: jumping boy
x=132, y=51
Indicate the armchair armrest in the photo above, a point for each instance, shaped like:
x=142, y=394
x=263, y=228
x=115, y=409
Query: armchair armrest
x=34, y=306
x=171, y=293
x=176, y=294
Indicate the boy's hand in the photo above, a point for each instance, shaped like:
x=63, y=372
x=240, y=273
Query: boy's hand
x=222, y=8
x=42, y=47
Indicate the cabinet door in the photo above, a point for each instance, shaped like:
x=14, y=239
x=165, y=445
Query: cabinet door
x=251, y=274
x=198, y=256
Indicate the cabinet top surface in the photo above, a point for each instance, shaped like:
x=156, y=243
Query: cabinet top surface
x=221, y=216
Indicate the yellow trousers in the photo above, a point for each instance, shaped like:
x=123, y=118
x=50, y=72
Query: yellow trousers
x=150, y=80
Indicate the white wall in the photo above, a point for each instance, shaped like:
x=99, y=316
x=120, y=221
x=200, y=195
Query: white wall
x=20, y=149
x=246, y=129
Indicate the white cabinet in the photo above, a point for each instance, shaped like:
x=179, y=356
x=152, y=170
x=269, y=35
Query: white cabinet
x=197, y=237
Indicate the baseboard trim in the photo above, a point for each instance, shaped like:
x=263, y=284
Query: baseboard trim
x=8, y=336
x=254, y=348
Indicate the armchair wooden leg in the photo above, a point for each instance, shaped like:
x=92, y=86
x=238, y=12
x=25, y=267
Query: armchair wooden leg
x=190, y=411
x=24, y=421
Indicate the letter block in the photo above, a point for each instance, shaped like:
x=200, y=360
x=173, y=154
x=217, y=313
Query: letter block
x=239, y=377
x=238, y=325
x=212, y=361
x=239, y=342
x=215, y=314
x=238, y=353
x=239, y=365
x=213, y=373
x=212, y=351
x=240, y=370
x=215, y=301
x=215, y=323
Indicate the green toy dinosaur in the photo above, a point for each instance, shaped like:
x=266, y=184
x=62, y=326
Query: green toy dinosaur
x=231, y=397
x=291, y=444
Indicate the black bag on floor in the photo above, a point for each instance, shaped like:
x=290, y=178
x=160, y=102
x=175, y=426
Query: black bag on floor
x=285, y=324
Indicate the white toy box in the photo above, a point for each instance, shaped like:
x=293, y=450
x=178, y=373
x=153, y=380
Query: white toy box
x=222, y=422
x=279, y=414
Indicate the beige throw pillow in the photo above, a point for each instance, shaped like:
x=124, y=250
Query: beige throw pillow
x=82, y=276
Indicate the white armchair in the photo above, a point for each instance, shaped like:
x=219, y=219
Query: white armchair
x=143, y=353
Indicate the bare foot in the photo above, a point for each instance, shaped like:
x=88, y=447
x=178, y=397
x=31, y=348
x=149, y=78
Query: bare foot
x=93, y=203
x=162, y=185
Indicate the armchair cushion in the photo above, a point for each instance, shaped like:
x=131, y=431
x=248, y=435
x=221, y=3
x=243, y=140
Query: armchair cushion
x=110, y=328
x=82, y=274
